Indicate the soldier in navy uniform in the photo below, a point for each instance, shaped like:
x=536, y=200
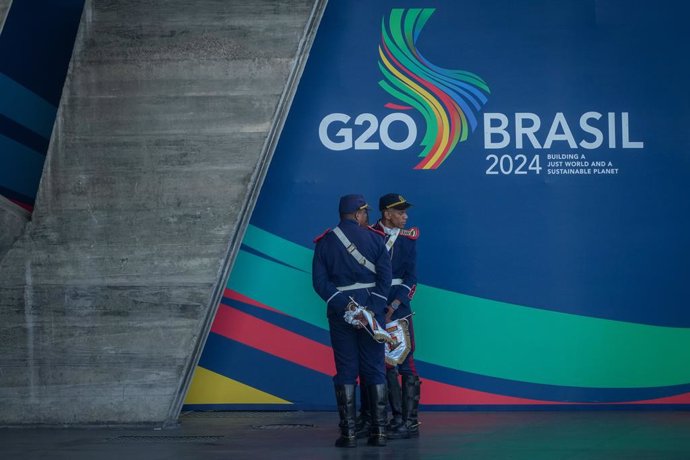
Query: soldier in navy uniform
x=402, y=246
x=351, y=262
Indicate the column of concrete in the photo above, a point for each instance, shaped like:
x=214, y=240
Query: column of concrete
x=4, y=6
x=165, y=122
x=13, y=219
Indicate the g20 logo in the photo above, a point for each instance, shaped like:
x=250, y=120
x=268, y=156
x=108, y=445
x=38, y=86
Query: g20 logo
x=337, y=131
x=449, y=101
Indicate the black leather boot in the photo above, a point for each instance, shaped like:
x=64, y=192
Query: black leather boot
x=410, y=405
x=394, y=399
x=397, y=428
x=345, y=397
x=411, y=392
x=364, y=419
x=377, y=404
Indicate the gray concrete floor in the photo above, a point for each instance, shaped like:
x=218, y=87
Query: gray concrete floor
x=310, y=435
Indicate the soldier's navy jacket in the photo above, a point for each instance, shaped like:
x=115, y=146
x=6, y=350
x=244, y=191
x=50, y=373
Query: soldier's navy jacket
x=356, y=354
x=404, y=265
x=333, y=266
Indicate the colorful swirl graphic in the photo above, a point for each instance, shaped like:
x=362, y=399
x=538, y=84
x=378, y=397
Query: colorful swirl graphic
x=449, y=100
x=270, y=348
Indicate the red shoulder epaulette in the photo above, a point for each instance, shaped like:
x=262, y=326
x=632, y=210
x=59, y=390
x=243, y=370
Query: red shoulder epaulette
x=316, y=240
x=411, y=233
x=375, y=230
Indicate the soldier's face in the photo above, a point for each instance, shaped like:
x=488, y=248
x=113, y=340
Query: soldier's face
x=362, y=217
x=396, y=217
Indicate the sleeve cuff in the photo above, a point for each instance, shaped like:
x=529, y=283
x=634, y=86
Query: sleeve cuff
x=379, y=296
x=331, y=297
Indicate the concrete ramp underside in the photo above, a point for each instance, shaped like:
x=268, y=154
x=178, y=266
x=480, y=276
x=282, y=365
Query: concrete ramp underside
x=166, y=122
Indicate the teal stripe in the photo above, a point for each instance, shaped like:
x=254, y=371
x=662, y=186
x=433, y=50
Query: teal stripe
x=26, y=108
x=488, y=337
x=20, y=167
x=286, y=251
x=527, y=344
x=278, y=286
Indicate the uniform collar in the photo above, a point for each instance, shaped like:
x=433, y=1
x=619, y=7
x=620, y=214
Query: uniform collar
x=388, y=231
x=344, y=222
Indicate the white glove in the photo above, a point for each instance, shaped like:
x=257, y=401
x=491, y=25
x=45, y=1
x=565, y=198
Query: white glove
x=354, y=315
x=360, y=318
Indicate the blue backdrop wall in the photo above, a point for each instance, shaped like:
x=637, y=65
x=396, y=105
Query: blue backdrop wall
x=544, y=145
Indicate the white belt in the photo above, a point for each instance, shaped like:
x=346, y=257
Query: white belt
x=396, y=281
x=352, y=287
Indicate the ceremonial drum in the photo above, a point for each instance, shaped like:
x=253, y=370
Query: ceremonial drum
x=397, y=350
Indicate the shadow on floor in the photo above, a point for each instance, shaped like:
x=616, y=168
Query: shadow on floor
x=310, y=435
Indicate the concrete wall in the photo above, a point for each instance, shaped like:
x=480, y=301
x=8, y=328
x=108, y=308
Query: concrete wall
x=12, y=221
x=4, y=6
x=153, y=165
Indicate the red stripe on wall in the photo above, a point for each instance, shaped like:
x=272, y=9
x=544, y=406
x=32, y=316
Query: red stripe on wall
x=244, y=299
x=26, y=206
x=434, y=392
x=677, y=399
x=267, y=337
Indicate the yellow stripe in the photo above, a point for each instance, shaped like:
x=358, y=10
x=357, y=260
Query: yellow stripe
x=438, y=108
x=211, y=388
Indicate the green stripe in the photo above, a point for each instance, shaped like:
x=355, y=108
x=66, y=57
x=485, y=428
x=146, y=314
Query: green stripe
x=540, y=346
x=278, y=286
x=278, y=248
x=488, y=337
